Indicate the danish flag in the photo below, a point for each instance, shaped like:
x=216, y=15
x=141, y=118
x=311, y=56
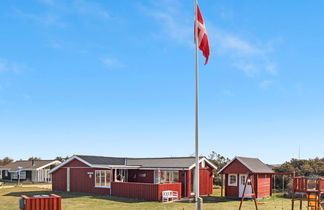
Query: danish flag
x=201, y=35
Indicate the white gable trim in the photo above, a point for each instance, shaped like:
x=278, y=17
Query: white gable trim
x=69, y=160
x=48, y=164
x=235, y=158
x=203, y=159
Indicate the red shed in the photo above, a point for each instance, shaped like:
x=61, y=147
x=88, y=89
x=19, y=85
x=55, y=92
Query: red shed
x=139, y=178
x=235, y=173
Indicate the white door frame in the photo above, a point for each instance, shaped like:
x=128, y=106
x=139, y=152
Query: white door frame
x=248, y=189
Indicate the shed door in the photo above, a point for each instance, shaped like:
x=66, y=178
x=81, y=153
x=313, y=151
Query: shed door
x=248, y=189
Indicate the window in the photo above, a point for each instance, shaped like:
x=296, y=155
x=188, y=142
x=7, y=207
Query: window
x=243, y=180
x=18, y=174
x=169, y=177
x=120, y=175
x=232, y=180
x=102, y=178
x=6, y=173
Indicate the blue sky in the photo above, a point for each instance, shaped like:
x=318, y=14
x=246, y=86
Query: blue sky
x=116, y=78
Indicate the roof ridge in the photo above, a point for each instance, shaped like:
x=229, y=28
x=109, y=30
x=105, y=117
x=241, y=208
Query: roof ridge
x=97, y=156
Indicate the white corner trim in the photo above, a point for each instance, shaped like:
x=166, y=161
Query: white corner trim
x=69, y=160
x=229, y=180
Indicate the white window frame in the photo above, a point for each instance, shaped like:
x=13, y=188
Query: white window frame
x=172, y=176
x=95, y=176
x=229, y=180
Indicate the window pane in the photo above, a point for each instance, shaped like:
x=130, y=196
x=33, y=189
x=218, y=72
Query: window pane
x=102, y=177
x=176, y=176
x=242, y=180
x=97, y=178
x=232, y=179
x=108, y=178
x=163, y=177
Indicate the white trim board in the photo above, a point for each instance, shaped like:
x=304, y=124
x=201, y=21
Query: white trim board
x=203, y=159
x=69, y=160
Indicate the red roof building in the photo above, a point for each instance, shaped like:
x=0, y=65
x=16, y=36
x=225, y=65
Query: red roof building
x=235, y=173
x=139, y=178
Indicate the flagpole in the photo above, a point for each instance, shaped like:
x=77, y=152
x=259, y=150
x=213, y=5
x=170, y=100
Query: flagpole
x=196, y=181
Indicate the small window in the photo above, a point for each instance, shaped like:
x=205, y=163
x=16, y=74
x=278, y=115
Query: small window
x=232, y=180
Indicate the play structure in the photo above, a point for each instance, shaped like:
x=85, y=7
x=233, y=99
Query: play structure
x=310, y=190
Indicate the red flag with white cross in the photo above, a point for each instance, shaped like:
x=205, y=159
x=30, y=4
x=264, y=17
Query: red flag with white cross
x=202, y=37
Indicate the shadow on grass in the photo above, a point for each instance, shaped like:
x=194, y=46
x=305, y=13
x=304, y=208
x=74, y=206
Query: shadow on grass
x=217, y=199
x=66, y=195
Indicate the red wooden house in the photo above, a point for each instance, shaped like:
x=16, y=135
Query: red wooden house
x=139, y=178
x=235, y=173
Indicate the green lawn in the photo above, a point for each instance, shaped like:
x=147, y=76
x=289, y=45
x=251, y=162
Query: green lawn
x=9, y=200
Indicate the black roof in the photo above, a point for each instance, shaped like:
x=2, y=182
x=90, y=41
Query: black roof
x=255, y=165
x=166, y=162
x=102, y=160
x=162, y=162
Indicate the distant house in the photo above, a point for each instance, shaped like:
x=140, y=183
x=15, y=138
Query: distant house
x=25, y=170
x=139, y=178
x=235, y=173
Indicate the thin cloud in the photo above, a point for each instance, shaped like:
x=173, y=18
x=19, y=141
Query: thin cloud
x=265, y=84
x=111, y=63
x=252, y=59
x=250, y=56
x=47, y=19
x=54, y=13
x=6, y=66
x=173, y=25
x=90, y=8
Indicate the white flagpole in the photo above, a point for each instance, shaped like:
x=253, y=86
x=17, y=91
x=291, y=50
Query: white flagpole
x=196, y=176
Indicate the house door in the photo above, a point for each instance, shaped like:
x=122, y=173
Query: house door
x=248, y=189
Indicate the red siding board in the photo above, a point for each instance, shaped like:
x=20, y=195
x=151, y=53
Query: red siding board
x=263, y=185
x=206, y=181
x=59, y=180
x=143, y=191
x=75, y=163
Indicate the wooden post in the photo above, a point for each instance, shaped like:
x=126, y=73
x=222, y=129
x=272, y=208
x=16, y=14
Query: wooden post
x=253, y=194
x=301, y=202
x=221, y=180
